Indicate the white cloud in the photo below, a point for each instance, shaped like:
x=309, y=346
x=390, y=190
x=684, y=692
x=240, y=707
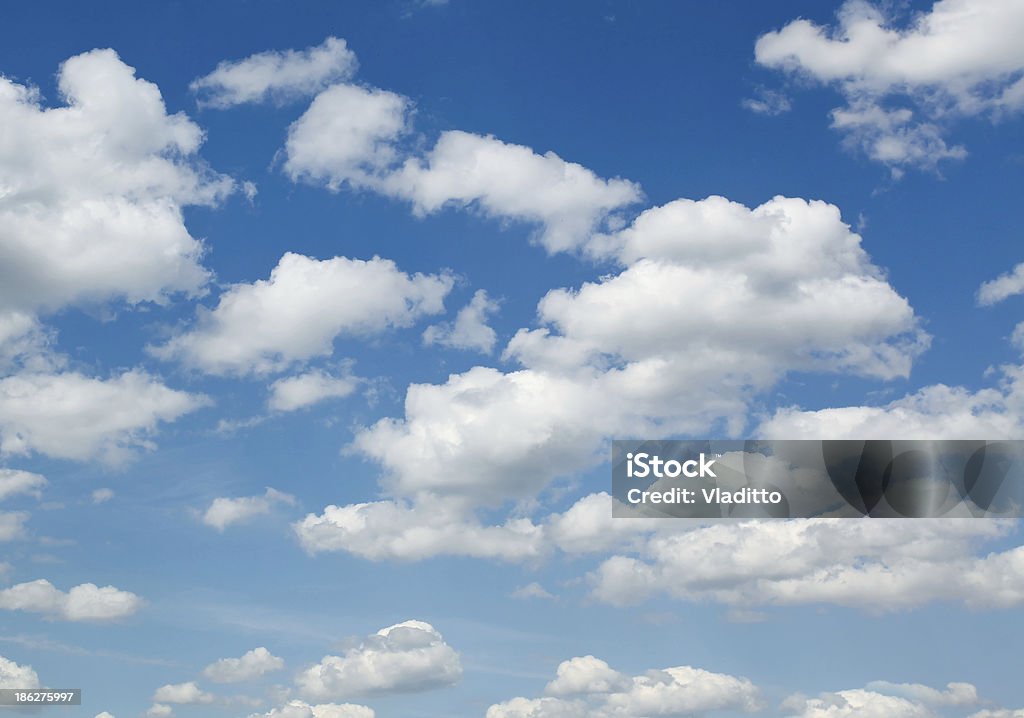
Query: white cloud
x=586, y=674
x=601, y=692
x=85, y=602
x=351, y=135
x=935, y=411
x=767, y=102
x=409, y=656
x=300, y=310
x=72, y=416
x=277, y=76
x=224, y=512
x=253, y=664
x=1002, y=287
x=959, y=58
x=101, y=496
x=160, y=710
x=298, y=392
x=13, y=675
x=877, y=565
x=531, y=591
x=956, y=694
x=14, y=482
x=508, y=181
x=103, y=181
x=104, y=714
x=347, y=136
x=182, y=693
x=857, y=703
x=396, y=530
x=470, y=329
x=620, y=355
x=998, y=713
x=12, y=525
x=301, y=709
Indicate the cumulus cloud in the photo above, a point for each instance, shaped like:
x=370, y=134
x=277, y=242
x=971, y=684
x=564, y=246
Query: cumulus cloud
x=1002, y=287
x=160, y=710
x=14, y=483
x=224, y=512
x=957, y=59
x=296, y=314
x=617, y=355
x=182, y=693
x=277, y=76
x=877, y=565
x=103, y=180
x=301, y=709
x=407, y=657
x=598, y=691
x=397, y=530
x=13, y=675
x=469, y=330
x=347, y=136
x=935, y=411
x=86, y=602
x=511, y=182
x=312, y=387
x=72, y=416
x=352, y=135
x=252, y=664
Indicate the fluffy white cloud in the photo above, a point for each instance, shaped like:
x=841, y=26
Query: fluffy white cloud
x=470, y=329
x=958, y=58
x=160, y=710
x=13, y=675
x=878, y=565
x=104, y=714
x=1002, y=287
x=396, y=530
x=347, y=136
x=956, y=694
x=85, y=602
x=224, y=511
x=93, y=191
x=508, y=181
x=301, y=709
x=936, y=411
x=586, y=674
x=602, y=692
x=351, y=135
x=183, y=693
x=252, y=664
x=406, y=657
x=276, y=75
x=73, y=416
x=300, y=310
x=298, y=392
x=14, y=482
x=622, y=354
x=857, y=703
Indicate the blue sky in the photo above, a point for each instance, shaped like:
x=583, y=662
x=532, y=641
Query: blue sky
x=316, y=323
